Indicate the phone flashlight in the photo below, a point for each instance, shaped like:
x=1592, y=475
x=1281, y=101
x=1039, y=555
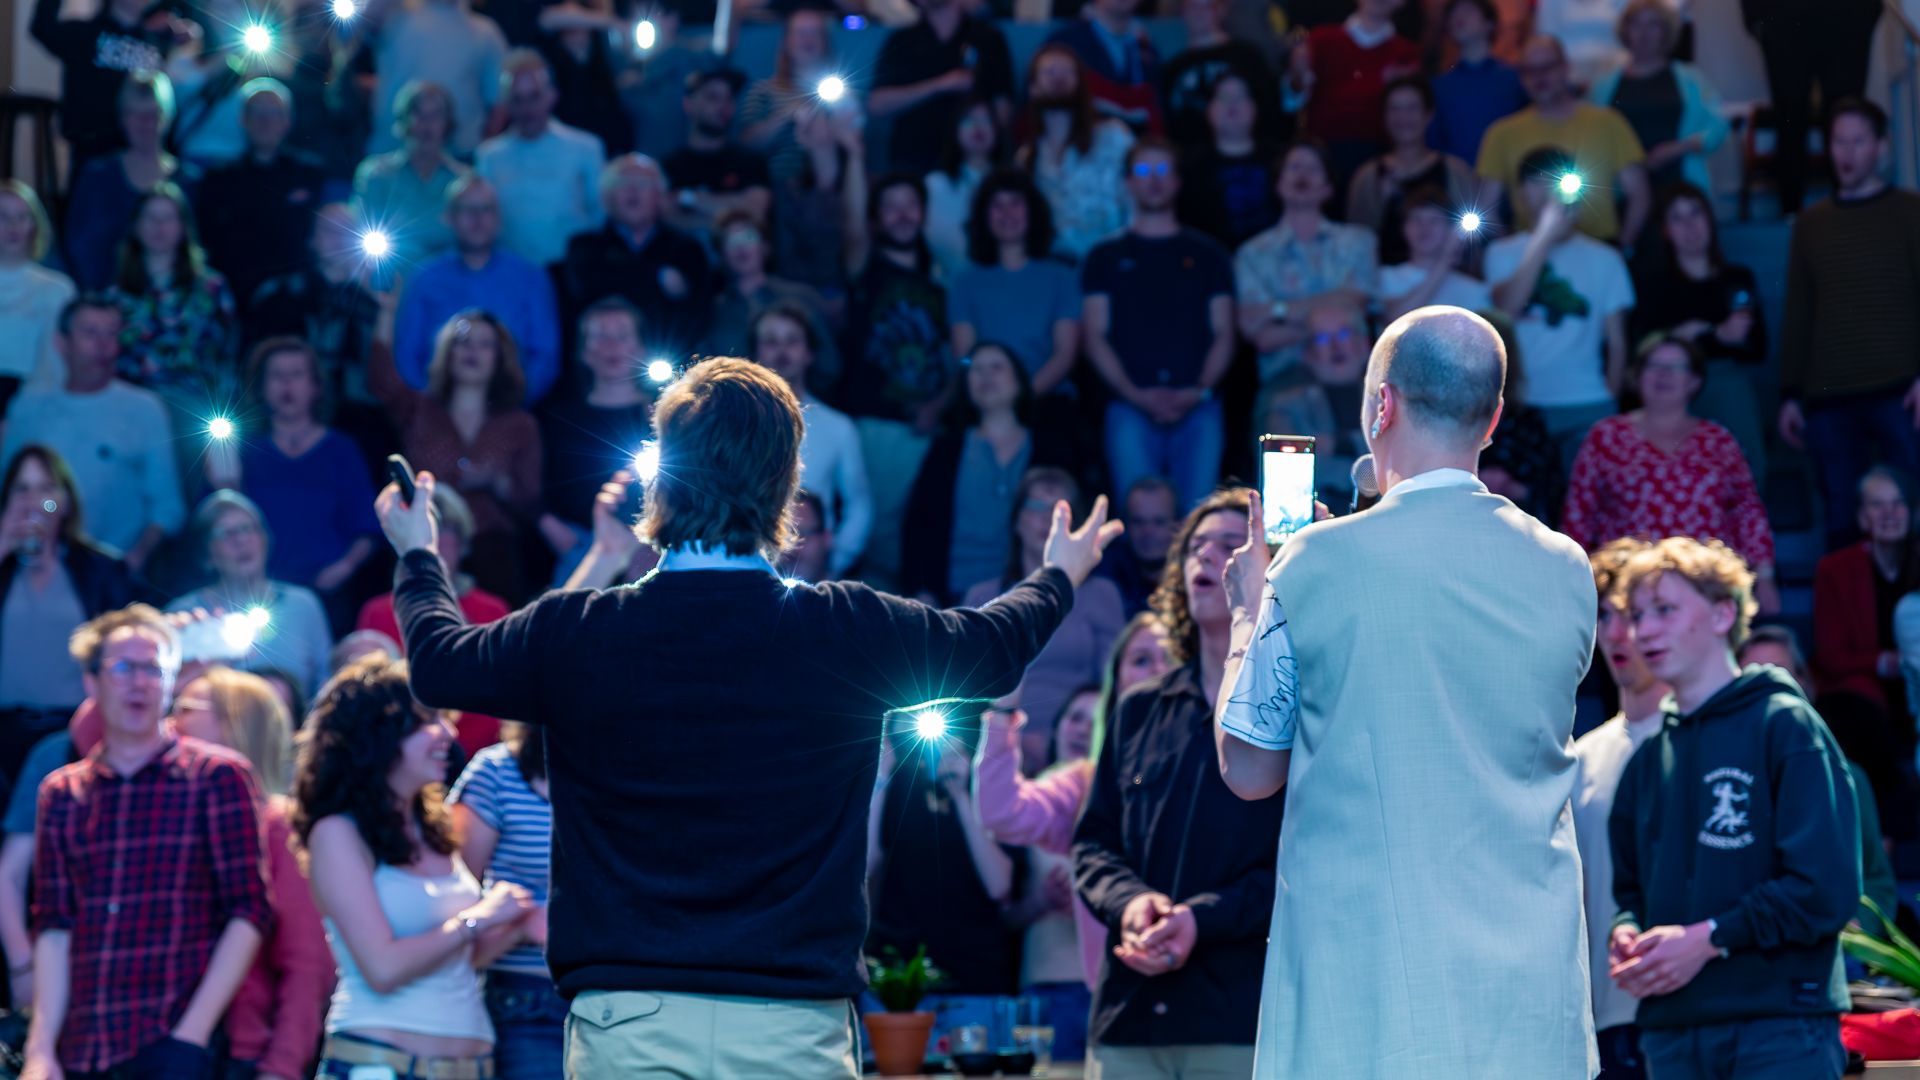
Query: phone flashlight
x=1469, y=222
x=375, y=243
x=345, y=9
x=220, y=429
x=930, y=725
x=257, y=39
x=1570, y=185
x=645, y=34
x=660, y=371
x=646, y=462
x=831, y=89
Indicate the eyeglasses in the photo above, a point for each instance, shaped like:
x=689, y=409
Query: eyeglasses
x=233, y=531
x=1144, y=169
x=123, y=672
x=1341, y=336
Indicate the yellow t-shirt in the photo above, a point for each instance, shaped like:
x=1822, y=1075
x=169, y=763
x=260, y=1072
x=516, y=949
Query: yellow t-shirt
x=1601, y=143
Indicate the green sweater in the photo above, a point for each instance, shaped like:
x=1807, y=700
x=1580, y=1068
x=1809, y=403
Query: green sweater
x=1852, y=324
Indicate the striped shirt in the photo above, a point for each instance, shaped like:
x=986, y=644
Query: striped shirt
x=494, y=789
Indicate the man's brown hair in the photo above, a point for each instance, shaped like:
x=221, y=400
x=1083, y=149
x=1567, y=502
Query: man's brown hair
x=90, y=640
x=729, y=439
x=1710, y=567
x=1609, y=560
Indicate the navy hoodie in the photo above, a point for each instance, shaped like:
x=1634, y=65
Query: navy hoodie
x=1742, y=812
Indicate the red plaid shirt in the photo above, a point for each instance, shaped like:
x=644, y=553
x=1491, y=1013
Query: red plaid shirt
x=144, y=871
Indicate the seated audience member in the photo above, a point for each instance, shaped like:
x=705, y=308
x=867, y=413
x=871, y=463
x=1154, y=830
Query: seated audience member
x=637, y=256
x=1074, y=656
x=179, y=334
x=810, y=210
x=256, y=212
x=1432, y=242
x=439, y=41
x=1523, y=464
x=594, y=426
x=31, y=295
x=1478, y=89
x=308, y=479
x=1322, y=397
x=1119, y=62
x=831, y=466
x=359, y=643
x=1158, y=311
x=108, y=188
x=1279, y=274
x=547, y=174
x=187, y=813
x=750, y=290
x=404, y=191
x=273, y=1025
x=1340, y=71
x=479, y=273
x=1075, y=155
x=1694, y=293
x=285, y=626
x=926, y=71
x=970, y=482
x=1015, y=293
x=771, y=110
x=1855, y=590
x=115, y=436
x=1151, y=510
x=98, y=53
x=975, y=151
x=811, y=556
x=616, y=556
x=1568, y=295
x=1660, y=471
x=1611, y=163
x=1180, y=874
x=469, y=430
x=1227, y=187
x=326, y=301
x=713, y=175
x=1377, y=196
x=505, y=829
x=53, y=577
x=406, y=920
x=1672, y=108
x=1211, y=55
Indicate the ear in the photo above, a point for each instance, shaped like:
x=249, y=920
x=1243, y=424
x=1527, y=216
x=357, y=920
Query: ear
x=1499, y=407
x=1724, y=616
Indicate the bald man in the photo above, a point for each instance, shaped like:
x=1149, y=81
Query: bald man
x=1408, y=674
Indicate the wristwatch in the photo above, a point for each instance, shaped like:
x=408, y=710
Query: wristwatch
x=470, y=929
x=1713, y=927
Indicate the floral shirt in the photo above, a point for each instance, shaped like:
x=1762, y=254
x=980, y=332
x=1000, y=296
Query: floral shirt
x=177, y=337
x=1277, y=265
x=1087, y=192
x=1623, y=485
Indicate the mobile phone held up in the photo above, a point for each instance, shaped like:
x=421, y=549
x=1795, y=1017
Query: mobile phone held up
x=1286, y=486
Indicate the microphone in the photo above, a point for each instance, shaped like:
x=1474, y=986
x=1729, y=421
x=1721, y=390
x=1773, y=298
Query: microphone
x=1366, y=485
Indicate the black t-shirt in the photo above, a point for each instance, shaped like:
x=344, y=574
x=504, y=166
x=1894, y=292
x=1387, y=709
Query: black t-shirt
x=1186, y=85
x=95, y=56
x=896, y=351
x=1229, y=197
x=1668, y=298
x=726, y=171
x=916, y=54
x=1159, y=290
x=1652, y=105
x=583, y=444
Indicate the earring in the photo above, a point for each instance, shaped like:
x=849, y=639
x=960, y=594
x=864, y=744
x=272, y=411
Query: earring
x=1375, y=432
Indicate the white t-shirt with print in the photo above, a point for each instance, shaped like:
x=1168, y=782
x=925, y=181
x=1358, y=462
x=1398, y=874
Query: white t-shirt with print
x=1563, y=330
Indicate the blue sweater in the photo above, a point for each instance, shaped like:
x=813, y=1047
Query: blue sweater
x=317, y=504
x=514, y=290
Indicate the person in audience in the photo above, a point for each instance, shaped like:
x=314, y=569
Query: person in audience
x=53, y=751
x=438, y=41
x=545, y=173
x=1189, y=80
x=1730, y=943
x=1672, y=107
x=210, y=76
x=810, y=210
x=976, y=150
x=179, y=333
x=1660, y=471
x=479, y=273
x=31, y=294
x=408, y=923
x=1340, y=73
x=926, y=71
x=469, y=427
x=98, y=54
x=1181, y=873
x=505, y=829
x=1695, y=294
x=587, y=432
x=1014, y=292
x=1228, y=187
x=1479, y=89
x=186, y=813
x=1151, y=510
x=784, y=341
x=1280, y=274
x=713, y=175
x=404, y=191
x=1568, y=295
x=1599, y=141
x=1848, y=337
x=107, y=189
x=1118, y=61
x=1377, y=197
x=1855, y=591
x=652, y=99
x=636, y=255
x=273, y=1025
x=361, y=643
x=286, y=625
x=327, y=123
x=1322, y=396
x=1075, y=155
x=579, y=45
x=327, y=301
x=256, y=214
x=810, y=558
x=773, y=105
x=1158, y=316
x=1523, y=464
x=1432, y=240
x=616, y=556
x=751, y=289
x=1830, y=44
x=114, y=436
x=1600, y=758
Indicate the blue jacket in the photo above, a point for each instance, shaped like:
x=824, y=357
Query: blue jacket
x=514, y=290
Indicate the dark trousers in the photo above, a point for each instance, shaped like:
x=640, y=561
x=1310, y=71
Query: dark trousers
x=1776, y=1048
x=1804, y=45
x=1845, y=437
x=1620, y=1054
x=168, y=1059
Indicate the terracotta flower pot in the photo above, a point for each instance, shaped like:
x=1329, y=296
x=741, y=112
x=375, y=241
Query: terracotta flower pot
x=899, y=1041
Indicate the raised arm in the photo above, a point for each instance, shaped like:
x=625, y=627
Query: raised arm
x=1017, y=810
x=1254, y=718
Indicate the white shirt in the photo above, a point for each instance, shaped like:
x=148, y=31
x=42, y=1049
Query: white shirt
x=549, y=188
x=832, y=468
x=1458, y=290
x=119, y=444
x=949, y=203
x=1600, y=759
x=31, y=297
x=1563, y=329
x=438, y=41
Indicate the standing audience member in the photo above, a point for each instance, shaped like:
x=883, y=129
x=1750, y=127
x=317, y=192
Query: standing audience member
x=404, y=191
x=1158, y=312
x=588, y=431
x=1377, y=197
x=1014, y=293
x=97, y=55
x=1119, y=63
x=1479, y=89
x=1673, y=110
x=177, y=872
x=1431, y=242
x=773, y=105
x=713, y=176
x=1850, y=335
x=546, y=173
x=407, y=921
x=1733, y=885
x=1802, y=44
x=976, y=149
x=1151, y=511
x=31, y=294
x=107, y=189
x=1210, y=55
x=179, y=334
x=1228, y=186
x=1075, y=155
x=256, y=213
x=831, y=468
x=810, y=211
x=578, y=44
x=751, y=289
x=438, y=41
x=637, y=256
x=328, y=303
x=809, y=559
x=1322, y=397
x=926, y=71
x=1340, y=72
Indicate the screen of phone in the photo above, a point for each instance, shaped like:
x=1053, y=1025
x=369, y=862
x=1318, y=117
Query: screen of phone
x=1286, y=485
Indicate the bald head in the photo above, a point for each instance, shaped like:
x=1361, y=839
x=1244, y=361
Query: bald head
x=1447, y=366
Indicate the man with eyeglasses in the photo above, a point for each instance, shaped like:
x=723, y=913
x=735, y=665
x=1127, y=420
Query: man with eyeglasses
x=149, y=891
x=1322, y=397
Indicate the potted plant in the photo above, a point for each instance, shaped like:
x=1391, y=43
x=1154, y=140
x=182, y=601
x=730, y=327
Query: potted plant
x=899, y=1035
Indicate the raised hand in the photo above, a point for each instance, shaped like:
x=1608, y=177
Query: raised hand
x=1078, y=551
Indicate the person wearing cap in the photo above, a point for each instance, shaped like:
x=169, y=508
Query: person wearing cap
x=713, y=175
x=547, y=174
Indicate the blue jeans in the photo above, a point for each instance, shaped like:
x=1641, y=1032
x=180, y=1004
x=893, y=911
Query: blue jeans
x=1847, y=436
x=1186, y=454
x=166, y=1059
x=529, y=1022
x=1776, y=1048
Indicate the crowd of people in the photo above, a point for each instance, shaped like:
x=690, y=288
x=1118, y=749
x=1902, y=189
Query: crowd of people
x=490, y=241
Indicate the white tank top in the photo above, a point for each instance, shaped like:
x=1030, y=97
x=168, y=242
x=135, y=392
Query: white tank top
x=446, y=1001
